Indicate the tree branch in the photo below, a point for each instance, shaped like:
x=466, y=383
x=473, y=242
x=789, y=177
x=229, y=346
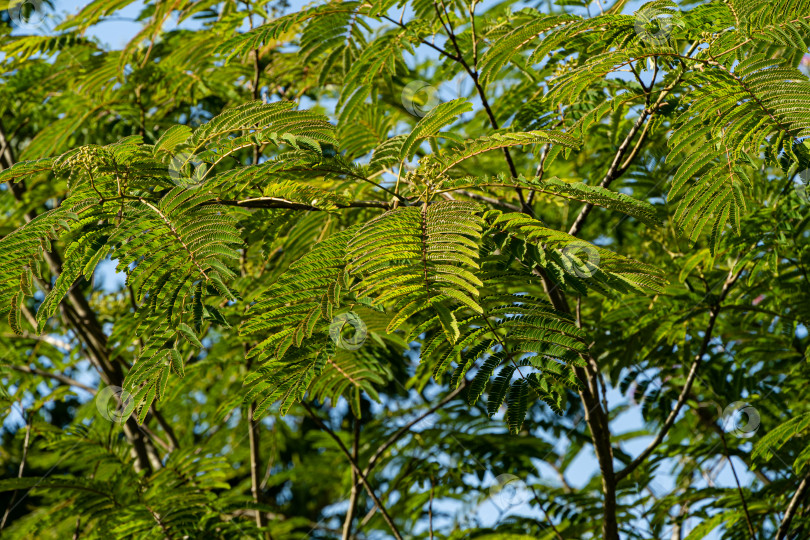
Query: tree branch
x=20, y=471
x=619, y=167
x=793, y=506
x=275, y=202
x=473, y=73
x=84, y=322
x=690, y=379
x=356, y=468
x=173, y=442
x=407, y=427
x=739, y=487
x=347, y=522
x=56, y=376
x=254, y=463
x=542, y=508
x=595, y=417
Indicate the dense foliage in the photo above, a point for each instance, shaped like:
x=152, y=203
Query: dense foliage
x=373, y=270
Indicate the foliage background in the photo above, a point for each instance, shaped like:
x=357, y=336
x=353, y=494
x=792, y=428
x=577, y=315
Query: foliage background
x=307, y=475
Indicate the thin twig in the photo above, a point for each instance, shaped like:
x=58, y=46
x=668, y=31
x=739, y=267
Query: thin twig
x=347, y=522
x=275, y=202
x=406, y=428
x=356, y=467
x=542, y=509
x=793, y=506
x=430, y=510
x=55, y=376
x=619, y=165
x=739, y=487
x=20, y=471
x=690, y=379
x=473, y=73
x=255, y=466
